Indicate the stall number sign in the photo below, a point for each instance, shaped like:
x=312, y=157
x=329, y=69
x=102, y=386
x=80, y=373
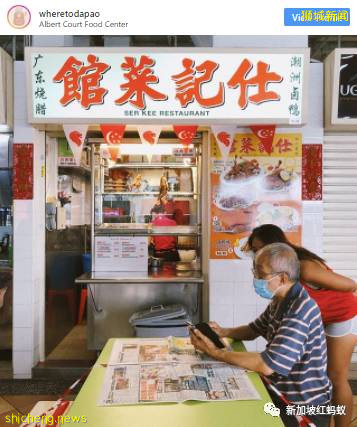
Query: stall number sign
x=206, y=87
x=121, y=253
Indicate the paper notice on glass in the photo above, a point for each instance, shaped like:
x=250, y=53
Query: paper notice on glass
x=121, y=253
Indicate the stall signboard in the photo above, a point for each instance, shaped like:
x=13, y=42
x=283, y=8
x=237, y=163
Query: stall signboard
x=121, y=253
x=341, y=89
x=252, y=188
x=136, y=85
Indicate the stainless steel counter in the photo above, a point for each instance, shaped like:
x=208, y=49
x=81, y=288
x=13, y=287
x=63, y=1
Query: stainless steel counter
x=114, y=296
x=159, y=275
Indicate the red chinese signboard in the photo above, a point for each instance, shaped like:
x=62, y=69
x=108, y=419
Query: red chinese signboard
x=172, y=86
x=22, y=171
x=311, y=172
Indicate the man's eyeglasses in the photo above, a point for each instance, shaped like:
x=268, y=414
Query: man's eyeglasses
x=256, y=274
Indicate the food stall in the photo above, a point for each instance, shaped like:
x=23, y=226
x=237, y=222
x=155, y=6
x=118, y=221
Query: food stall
x=128, y=274
x=199, y=131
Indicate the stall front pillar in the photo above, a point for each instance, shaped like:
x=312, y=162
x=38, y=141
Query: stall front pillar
x=29, y=246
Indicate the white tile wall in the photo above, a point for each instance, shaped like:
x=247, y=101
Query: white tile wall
x=22, y=317
x=29, y=246
x=222, y=292
x=222, y=314
x=22, y=362
x=23, y=339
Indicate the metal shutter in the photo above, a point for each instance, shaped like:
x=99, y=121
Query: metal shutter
x=340, y=205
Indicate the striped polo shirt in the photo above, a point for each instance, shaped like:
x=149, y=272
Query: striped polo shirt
x=296, y=347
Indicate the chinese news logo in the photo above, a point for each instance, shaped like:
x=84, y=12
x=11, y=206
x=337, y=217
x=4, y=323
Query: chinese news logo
x=19, y=16
x=317, y=17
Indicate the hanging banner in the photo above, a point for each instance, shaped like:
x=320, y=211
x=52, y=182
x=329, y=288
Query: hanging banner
x=265, y=134
x=224, y=138
x=22, y=185
x=161, y=86
x=254, y=188
x=76, y=135
x=114, y=151
x=112, y=133
x=149, y=135
x=185, y=134
x=311, y=172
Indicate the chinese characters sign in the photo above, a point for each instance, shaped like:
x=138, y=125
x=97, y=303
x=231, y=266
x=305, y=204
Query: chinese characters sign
x=253, y=187
x=172, y=86
x=23, y=172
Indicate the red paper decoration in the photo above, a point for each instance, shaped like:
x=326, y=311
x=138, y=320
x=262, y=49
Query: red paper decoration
x=22, y=185
x=311, y=179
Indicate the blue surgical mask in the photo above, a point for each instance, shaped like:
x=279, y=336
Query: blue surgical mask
x=261, y=287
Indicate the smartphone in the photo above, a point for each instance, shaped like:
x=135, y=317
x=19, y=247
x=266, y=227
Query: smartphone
x=210, y=333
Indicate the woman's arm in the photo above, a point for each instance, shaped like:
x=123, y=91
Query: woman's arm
x=317, y=274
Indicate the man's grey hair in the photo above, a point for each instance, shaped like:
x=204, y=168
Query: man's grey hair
x=281, y=258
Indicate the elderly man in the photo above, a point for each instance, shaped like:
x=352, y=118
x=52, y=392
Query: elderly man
x=295, y=356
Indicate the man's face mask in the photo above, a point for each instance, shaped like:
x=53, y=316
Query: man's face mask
x=261, y=287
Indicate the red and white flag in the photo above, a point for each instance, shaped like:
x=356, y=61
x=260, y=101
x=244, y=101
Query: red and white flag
x=185, y=133
x=265, y=133
x=225, y=137
x=76, y=135
x=149, y=135
x=112, y=133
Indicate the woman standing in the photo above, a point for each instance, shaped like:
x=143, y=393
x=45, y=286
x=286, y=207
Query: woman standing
x=334, y=294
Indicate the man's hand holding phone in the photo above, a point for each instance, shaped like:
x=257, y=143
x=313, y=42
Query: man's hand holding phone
x=205, y=339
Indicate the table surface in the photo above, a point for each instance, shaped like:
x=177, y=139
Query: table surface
x=243, y=413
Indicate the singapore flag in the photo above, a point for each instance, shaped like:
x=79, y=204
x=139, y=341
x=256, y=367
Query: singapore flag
x=265, y=133
x=185, y=134
x=224, y=136
x=76, y=135
x=112, y=133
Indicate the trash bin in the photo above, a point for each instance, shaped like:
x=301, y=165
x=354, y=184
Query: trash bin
x=161, y=321
x=87, y=263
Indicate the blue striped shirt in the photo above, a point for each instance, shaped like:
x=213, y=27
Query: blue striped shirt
x=296, y=347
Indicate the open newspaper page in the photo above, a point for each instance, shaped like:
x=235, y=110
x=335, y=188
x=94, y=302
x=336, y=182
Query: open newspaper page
x=169, y=370
x=171, y=349
x=121, y=385
x=172, y=382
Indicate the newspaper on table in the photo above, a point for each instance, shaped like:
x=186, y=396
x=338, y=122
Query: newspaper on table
x=169, y=370
x=158, y=350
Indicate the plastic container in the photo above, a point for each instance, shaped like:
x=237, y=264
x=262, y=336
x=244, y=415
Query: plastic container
x=87, y=263
x=161, y=321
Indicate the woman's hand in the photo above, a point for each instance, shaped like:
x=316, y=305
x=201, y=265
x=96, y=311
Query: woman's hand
x=221, y=332
x=202, y=343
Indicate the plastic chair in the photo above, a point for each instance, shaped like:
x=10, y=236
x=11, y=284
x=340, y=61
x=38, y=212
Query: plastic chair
x=87, y=267
x=62, y=270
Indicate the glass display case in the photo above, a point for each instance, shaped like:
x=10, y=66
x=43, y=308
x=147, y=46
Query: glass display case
x=128, y=193
x=130, y=228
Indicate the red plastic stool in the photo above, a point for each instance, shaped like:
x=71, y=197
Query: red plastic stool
x=82, y=304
